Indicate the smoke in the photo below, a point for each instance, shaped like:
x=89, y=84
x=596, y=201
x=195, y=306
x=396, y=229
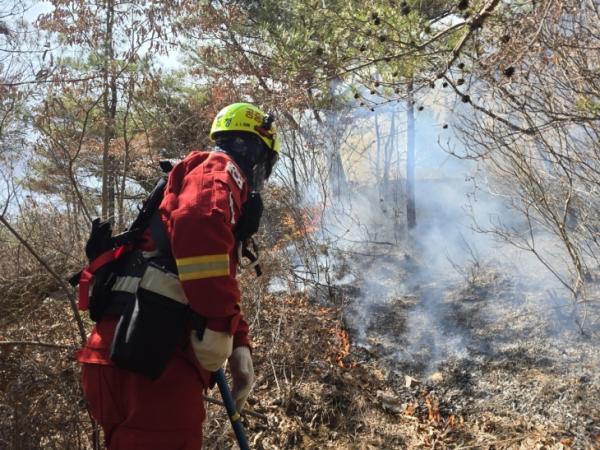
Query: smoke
x=422, y=296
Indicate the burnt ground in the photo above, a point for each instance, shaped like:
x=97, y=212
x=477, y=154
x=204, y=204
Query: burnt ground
x=490, y=351
x=415, y=360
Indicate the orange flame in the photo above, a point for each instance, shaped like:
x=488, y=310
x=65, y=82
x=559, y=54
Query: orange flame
x=344, y=350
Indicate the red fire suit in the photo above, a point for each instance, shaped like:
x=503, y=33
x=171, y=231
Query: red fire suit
x=201, y=205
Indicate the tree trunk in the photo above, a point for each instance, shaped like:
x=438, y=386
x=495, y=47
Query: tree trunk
x=411, y=215
x=112, y=181
x=127, y=150
x=378, y=152
x=292, y=159
x=337, y=175
x=339, y=183
x=110, y=107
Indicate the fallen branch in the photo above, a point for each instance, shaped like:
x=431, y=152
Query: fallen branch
x=244, y=413
x=493, y=443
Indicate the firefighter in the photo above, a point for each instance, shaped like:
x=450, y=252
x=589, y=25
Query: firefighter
x=211, y=206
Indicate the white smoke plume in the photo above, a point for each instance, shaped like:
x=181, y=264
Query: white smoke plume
x=404, y=302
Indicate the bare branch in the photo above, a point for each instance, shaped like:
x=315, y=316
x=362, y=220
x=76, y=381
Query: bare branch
x=61, y=281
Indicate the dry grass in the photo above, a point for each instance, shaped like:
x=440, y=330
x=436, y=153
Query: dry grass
x=316, y=387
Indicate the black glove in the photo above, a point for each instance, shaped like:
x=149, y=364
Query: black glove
x=249, y=221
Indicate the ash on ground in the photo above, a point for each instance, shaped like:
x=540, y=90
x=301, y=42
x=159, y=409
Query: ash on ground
x=484, y=345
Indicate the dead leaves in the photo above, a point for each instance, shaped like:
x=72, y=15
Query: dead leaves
x=566, y=441
x=410, y=409
x=431, y=425
x=426, y=408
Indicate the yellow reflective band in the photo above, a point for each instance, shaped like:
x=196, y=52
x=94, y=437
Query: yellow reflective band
x=235, y=417
x=224, y=257
x=198, y=267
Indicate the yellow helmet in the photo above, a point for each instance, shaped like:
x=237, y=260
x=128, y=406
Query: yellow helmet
x=246, y=117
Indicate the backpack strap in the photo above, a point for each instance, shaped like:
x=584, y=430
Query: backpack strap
x=87, y=274
x=135, y=230
x=162, y=242
x=122, y=243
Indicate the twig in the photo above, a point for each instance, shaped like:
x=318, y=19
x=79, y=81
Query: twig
x=69, y=80
x=391, y=244
x=39, y=344
x=413, y=418
x=503, y=441
x=244, y=412
x=475, y=23
x=72, y=301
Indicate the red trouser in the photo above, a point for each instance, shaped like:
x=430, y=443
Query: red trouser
x=138, y=413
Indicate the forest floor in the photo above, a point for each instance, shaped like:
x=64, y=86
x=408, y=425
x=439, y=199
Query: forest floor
x=409, y=359
x=476, y=362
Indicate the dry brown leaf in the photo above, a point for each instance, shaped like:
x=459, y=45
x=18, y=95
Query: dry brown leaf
x=566, y=441
x=410, y=409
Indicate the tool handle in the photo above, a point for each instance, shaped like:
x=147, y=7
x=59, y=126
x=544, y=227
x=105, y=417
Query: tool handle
x=234, y=416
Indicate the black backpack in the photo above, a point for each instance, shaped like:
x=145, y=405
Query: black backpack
x=142, y=289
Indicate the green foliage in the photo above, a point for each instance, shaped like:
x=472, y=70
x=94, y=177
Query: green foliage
x=587, y=104
x=175, y=115
x=294, y=49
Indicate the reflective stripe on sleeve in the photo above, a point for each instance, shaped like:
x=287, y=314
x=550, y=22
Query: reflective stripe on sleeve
x=198, y=267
